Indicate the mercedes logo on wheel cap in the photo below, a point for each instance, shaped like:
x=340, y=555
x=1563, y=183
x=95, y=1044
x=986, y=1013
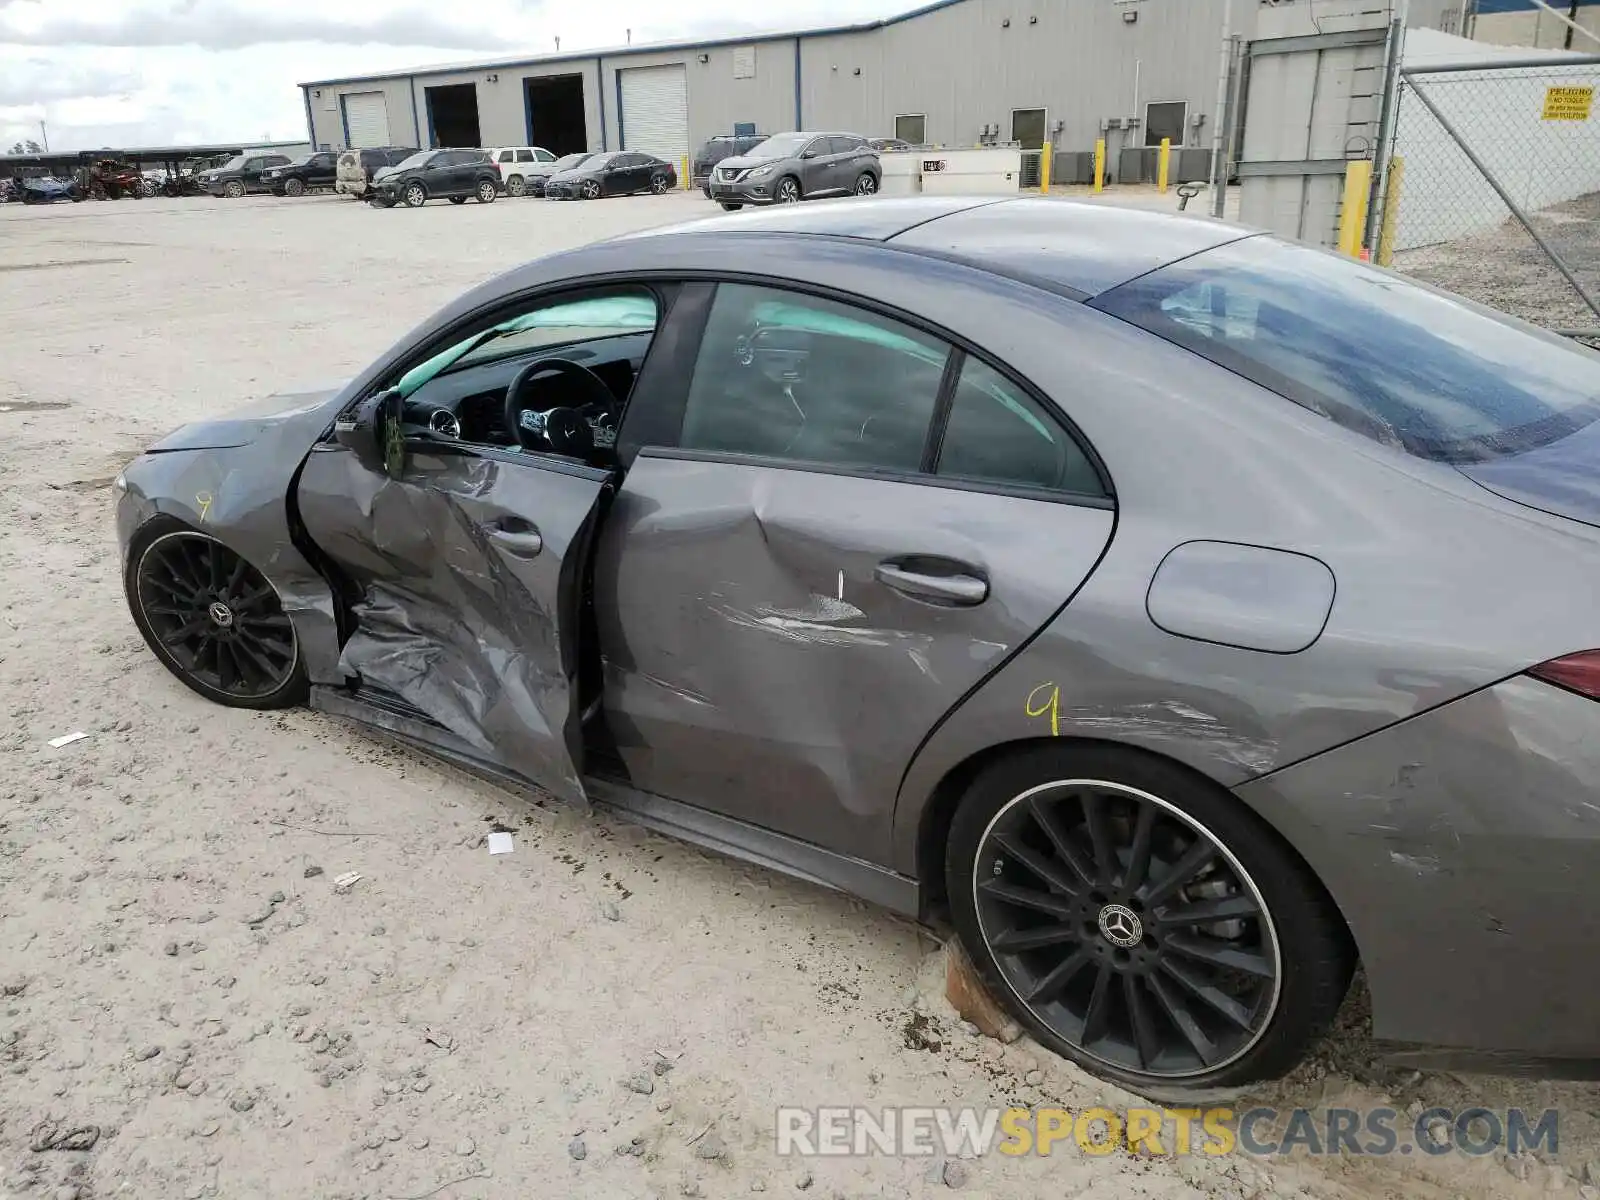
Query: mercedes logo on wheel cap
x=222, y=618
x=1121, y=926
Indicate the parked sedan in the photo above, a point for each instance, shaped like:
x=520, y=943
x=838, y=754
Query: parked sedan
x=1174, y=612
x=566, y=162
x=618, y=173
x=302, y=175
x=454, y=175
x=790, y=167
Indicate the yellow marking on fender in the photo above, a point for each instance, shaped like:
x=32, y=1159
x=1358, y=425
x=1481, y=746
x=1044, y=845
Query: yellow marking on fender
x=203, y=499
x=1051, y=705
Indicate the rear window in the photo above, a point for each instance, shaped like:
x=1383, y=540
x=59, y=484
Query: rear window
x=1418, y=370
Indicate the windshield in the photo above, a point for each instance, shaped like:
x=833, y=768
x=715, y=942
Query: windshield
x=416, y=160
x=1422, y=371
x=567, y=161
x=236, y=163
x=782, y=145
x=600, y=160
x=601, y=317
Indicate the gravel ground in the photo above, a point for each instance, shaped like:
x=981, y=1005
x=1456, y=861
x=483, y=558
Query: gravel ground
x=601, y=1013
x=1504, y=267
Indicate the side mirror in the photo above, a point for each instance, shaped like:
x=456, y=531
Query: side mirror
x=373, y=433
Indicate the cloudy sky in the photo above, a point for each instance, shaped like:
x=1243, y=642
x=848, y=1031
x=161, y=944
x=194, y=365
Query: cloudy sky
x=162, y=72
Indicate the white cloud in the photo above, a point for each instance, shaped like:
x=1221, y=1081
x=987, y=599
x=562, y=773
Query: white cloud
x=151, y=72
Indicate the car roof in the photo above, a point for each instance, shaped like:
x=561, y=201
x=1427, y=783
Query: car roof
x=1080, y=248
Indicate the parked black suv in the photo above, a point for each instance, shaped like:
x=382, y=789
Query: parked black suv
x=353, y=176
x=304, y=174
x=427, y=175
x=716, y=149
x=240, y=174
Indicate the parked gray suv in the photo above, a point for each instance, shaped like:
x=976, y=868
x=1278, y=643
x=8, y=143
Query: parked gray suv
x=788, y=167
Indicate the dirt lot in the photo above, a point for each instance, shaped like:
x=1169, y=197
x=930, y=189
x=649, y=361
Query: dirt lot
x=179, y=974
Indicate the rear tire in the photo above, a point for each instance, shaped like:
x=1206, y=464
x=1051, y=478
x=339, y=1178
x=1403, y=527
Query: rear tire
x=659, y=184
x=458, y=199
x=487, y=192
x=516, y=186
x=1096, y=958
x=866, y=184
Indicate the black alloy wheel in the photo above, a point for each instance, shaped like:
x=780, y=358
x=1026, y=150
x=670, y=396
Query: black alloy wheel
x=788, y=190
x=487, y=191
x=1141, y=921
x=658, y=184
x=213, y=619
x=866, y=185
x=591, y=189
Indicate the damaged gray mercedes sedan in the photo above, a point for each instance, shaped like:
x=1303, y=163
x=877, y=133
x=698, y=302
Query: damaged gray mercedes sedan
x=1179, y=614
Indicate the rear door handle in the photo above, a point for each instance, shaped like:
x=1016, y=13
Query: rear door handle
x=960, y=589
x=520, y=541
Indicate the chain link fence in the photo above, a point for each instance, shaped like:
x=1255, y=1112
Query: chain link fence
x=1492, y=189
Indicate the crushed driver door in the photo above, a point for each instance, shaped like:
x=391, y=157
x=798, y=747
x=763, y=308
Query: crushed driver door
x=466, y=570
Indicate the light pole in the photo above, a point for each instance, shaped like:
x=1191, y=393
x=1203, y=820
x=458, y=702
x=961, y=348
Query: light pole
x=44, y=136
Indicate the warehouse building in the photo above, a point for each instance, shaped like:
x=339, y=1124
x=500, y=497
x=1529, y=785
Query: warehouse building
x=955, y=72
x=1524, y=23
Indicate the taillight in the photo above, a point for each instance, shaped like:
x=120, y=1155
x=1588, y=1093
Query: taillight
x=1576, y=672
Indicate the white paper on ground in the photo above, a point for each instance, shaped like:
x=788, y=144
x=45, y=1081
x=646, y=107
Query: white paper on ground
x=499, y=843
x=67, y=739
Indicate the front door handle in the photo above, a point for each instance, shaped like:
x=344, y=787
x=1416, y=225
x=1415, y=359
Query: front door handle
x=961, y=589
x=524, y=543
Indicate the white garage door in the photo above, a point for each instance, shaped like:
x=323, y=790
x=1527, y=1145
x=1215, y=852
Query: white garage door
x=366, y=117
x=655, y=111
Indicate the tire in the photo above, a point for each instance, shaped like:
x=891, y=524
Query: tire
x=487, y=191
x=415, y=195
x=233, y=189
x=458, y=199
x=1266, y=913
x=866, y=184
x=659, y=185
x=788, y=190
x=706, y=191
x=516, y=186
x=241, y=645
x=731, y=206
x=294, y=187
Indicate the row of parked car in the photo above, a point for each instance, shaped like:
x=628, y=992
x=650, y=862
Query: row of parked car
x=732, y=170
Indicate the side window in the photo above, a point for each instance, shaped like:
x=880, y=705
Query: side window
x=998, y=434
x=816, y=148
x=525, y=156
x=842, y=145
x=543, y=156
x=508, y=156
x=790, y=376
x=252, y=164
x=609, y=333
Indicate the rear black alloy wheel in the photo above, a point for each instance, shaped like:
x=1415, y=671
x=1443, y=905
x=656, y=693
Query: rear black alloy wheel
x=487, y=192
x=1141, y=921
x=866, y=185
x=214, y=620
x=658, y=184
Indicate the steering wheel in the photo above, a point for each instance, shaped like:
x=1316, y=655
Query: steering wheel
x=564, y=430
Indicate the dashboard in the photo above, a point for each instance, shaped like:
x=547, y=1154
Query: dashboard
x=469, y=404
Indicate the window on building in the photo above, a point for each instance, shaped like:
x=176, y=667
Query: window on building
x=912, y=128
x=1165, y=120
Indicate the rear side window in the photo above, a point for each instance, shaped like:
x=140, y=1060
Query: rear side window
x=997, y=433
x=525, y=156
x=1414, y=369
x=507, y=156
x=789, y=376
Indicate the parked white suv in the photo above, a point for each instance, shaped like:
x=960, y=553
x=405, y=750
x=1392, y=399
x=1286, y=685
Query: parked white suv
x=519, y=165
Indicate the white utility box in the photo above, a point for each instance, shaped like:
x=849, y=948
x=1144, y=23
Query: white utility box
x=989, y=170
x=901, y=172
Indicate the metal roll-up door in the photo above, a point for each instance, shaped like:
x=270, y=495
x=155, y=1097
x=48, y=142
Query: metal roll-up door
x=655, y=110
x=366, y=117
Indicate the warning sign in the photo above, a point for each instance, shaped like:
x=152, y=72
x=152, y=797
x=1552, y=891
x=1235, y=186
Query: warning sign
x=1568, y=103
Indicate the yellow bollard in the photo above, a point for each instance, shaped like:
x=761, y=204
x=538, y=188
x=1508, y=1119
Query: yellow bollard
x=1100, y=165
x=1044, y=170
x=1164, y=163
x=1388, y=227
x=687, y=181
x=1353, y=208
